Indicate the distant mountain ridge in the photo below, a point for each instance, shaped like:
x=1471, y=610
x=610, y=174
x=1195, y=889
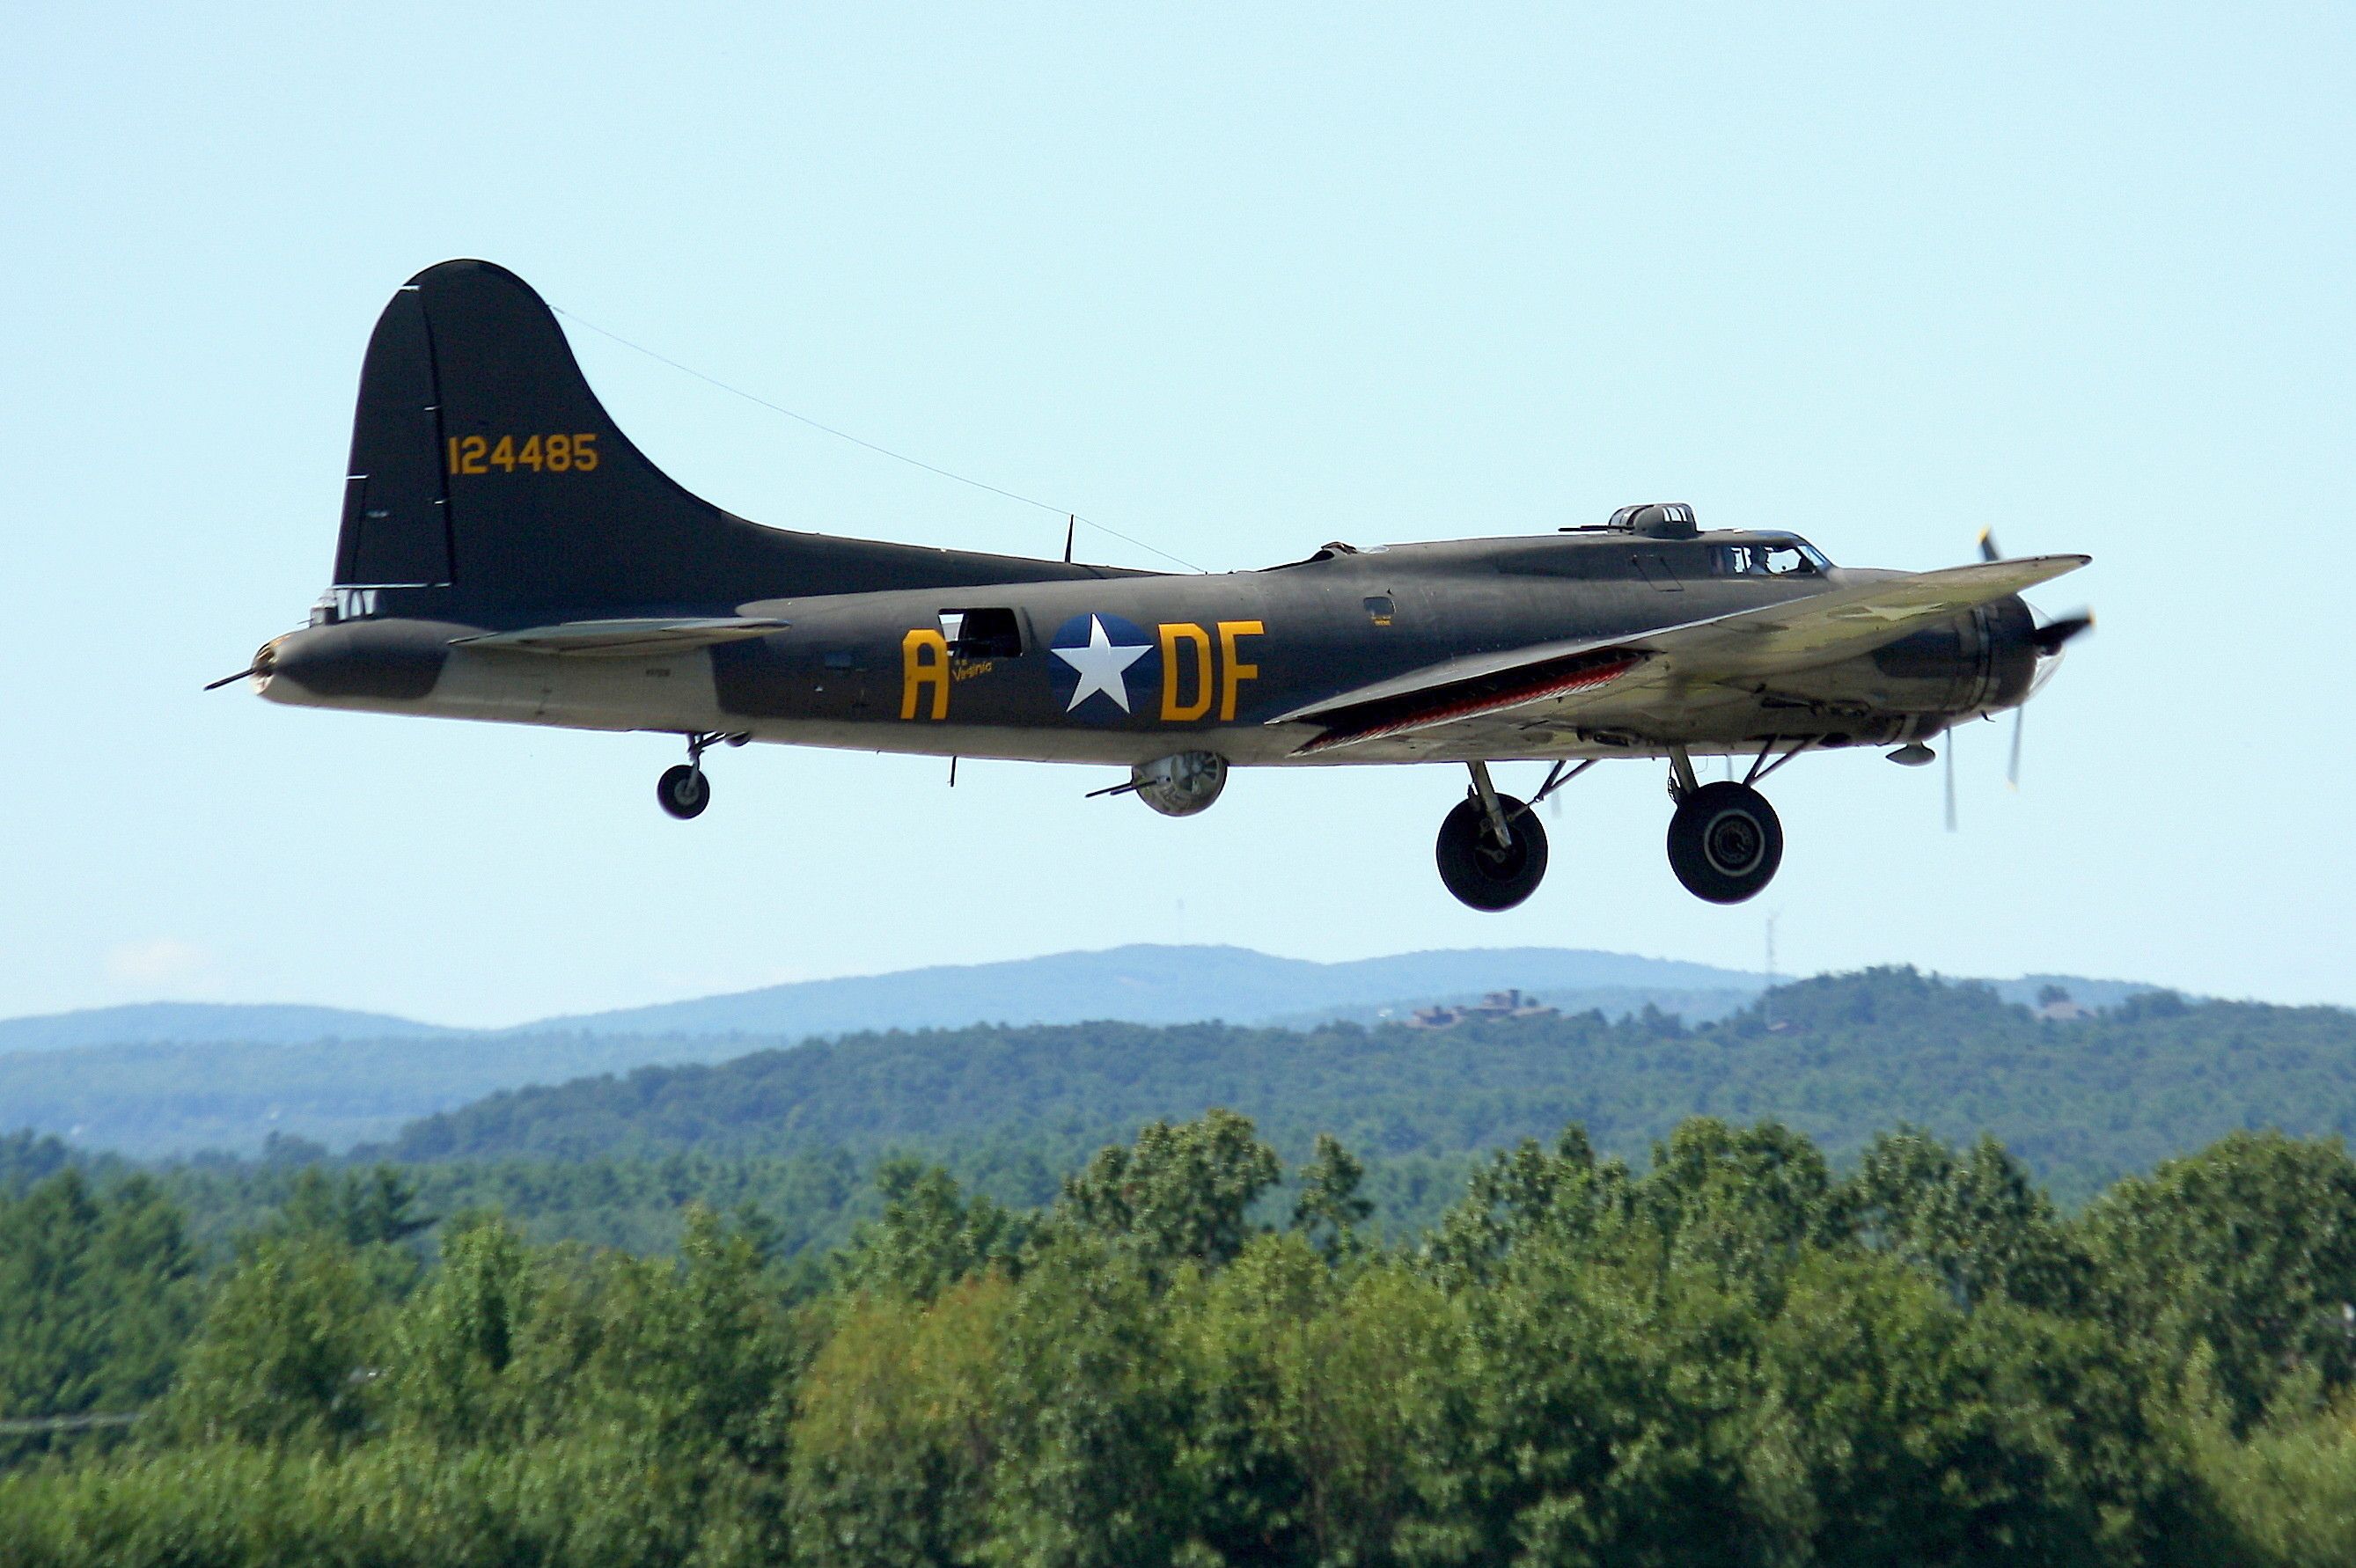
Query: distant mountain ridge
x=165, y=1078
x=204, y=1023
x=1137, y=984
x=1151, y=984
x=115, y=1078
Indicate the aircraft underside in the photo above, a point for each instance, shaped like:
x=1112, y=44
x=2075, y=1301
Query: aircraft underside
x=1725, y=842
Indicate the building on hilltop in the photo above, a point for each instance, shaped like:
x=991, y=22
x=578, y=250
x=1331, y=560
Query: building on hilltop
x=2055, y=1006
x=1511, y=1003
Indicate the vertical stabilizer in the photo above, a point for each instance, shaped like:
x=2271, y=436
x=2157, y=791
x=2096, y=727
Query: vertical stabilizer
x=488, y=483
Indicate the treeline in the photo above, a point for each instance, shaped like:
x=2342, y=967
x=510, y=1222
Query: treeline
x=803, y=1205
x=1190, y=1356
x=2083, y=1103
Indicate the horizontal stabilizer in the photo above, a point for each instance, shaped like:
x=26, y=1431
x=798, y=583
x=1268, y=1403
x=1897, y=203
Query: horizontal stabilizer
x=617, y=638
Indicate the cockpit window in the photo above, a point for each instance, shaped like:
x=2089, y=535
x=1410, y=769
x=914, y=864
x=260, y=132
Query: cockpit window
x=1794, y=557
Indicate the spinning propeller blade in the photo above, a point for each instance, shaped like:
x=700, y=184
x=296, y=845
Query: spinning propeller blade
x=2050, y=639
x=2052, y=636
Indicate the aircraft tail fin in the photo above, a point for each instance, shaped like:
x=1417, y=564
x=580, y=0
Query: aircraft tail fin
x=488, y=481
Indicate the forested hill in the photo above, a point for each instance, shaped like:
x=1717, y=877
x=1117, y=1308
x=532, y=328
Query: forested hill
x=1840, y=1058
x=165, y=1080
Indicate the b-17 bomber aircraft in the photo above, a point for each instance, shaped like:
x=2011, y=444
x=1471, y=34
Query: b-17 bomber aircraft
x=507, y=554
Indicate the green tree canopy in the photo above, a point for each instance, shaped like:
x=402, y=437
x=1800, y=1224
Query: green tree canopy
x=2248, y=1247
x=1179, y=1193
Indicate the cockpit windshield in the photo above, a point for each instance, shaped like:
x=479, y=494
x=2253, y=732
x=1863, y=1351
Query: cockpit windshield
x=1779, y=557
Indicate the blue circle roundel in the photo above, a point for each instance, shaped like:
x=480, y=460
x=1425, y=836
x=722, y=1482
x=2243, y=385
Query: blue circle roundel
x=1105, y=668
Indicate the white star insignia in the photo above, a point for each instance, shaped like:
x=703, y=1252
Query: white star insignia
x=1102, y=666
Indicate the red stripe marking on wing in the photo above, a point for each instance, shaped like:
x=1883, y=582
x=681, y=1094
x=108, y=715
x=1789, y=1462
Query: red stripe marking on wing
x=1487, y=698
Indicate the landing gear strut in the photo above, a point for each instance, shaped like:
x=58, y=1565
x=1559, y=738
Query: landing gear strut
x=1492, y=851
x=1725, y=841
x=683, y=790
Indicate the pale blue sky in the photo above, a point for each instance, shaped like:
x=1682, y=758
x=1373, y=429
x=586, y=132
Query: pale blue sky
x=1237, y=281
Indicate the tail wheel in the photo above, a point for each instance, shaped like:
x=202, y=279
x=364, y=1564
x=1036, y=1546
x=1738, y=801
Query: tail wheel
x=683, y=790
x=1725, y=842
x=1481, y=871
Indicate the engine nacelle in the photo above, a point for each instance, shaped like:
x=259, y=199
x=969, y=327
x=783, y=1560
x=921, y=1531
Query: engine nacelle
x=1182, y=784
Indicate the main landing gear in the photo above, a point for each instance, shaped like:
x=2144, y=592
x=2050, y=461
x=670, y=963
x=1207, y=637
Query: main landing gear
x=1725, y=842
x=1492, y=851
x=683, y=790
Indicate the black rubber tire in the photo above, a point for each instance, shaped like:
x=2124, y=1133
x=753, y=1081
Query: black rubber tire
x=1725, y=842
x=1478, y=872
x=683, y=790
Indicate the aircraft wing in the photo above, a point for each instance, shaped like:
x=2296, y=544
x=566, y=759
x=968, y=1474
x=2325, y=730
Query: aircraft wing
x=620, y=639
x=1597, y=673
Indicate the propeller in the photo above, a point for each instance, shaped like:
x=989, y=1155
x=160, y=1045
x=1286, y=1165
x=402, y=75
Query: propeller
x=2054, y=635
x=2051, y=638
